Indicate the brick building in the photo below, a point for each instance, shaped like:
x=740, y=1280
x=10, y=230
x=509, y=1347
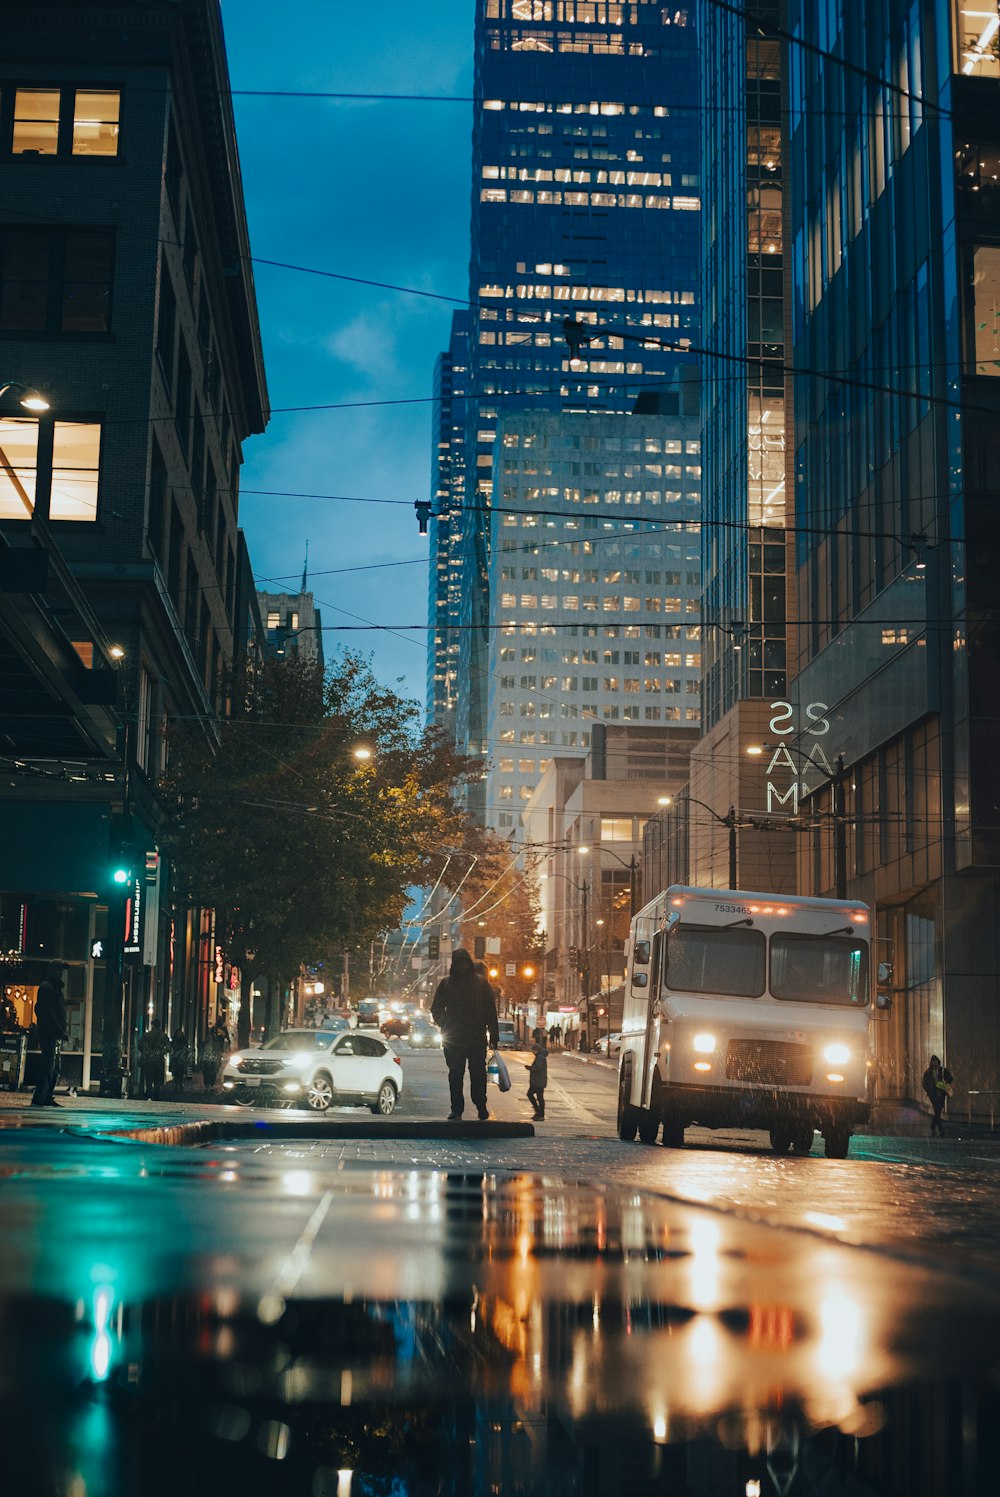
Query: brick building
x=127, y=298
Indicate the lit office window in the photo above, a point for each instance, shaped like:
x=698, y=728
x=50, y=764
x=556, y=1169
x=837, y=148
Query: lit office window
x=18, y=467
x=36, y=122
x=76, y=456
x=95, y=122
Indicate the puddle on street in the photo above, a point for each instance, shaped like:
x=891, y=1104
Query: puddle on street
x=455, y=1335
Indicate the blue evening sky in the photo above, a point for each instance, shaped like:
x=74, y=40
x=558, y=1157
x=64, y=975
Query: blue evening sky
x=371, y=189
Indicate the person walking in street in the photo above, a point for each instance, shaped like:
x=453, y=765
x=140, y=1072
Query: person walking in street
x=213, y=1051
x=50, y=1026
x=153, y=1049
x=937, y=1084
x=538, y=1075
x=180, y=1058
x=465, y=1011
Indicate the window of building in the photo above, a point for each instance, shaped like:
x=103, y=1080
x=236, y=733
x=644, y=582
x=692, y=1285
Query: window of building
x=96, y=117
x=985, y=308
x=52, y=464
x=66, y=121
x=55, y=280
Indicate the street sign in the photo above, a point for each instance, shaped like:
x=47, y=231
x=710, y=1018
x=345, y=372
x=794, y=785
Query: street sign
x=492, y=945
x=511, y=969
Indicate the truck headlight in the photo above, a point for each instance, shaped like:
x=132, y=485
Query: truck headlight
x=836, y=1055
x=704, y=1044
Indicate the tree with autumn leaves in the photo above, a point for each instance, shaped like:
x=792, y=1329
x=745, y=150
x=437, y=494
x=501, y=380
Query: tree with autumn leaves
x=307, y=848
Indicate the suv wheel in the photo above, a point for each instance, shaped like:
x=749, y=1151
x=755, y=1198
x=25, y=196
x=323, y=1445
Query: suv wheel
x=628, y=1116
x=320, y=1094
x=385, y=1102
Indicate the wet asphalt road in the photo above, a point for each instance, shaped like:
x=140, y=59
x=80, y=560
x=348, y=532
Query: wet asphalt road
x=219, y=1292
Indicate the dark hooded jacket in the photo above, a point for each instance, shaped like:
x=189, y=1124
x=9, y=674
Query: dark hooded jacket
x=50, y=1010
x=464, y=1008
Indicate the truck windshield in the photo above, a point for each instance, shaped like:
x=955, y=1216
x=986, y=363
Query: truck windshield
x=711, y=959
x=819, y=969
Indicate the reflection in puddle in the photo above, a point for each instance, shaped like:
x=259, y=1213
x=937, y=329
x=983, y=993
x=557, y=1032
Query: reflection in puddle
x=575, y=1343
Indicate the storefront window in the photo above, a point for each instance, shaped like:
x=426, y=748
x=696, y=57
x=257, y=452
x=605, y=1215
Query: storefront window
x=977, y=38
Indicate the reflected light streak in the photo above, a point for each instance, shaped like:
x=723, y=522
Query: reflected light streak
x=841, y=1348
x=704, y=1240
x=821, y=1219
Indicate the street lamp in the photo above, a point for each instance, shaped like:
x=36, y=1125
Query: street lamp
x=362, y=753
x=632, y=867
x=838, y=781
x=29, y=398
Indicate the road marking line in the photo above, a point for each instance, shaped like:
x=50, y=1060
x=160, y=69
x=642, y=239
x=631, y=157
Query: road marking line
x=272, y=1304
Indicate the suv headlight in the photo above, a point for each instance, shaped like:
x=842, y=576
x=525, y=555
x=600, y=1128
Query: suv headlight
x=836, y=1055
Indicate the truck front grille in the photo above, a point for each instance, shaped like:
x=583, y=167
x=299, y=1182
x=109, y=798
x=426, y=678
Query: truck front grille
x=769, y=1063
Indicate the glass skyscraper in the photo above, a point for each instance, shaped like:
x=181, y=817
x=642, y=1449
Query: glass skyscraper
x=444, y=595
x=895, y=259
x=586, y=199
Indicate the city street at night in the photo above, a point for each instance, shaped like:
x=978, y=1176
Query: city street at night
x=283, y=1299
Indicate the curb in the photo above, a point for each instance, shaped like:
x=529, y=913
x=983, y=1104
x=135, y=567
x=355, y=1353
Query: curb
x=202, y=1131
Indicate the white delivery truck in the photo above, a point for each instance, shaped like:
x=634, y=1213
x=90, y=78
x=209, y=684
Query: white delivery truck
x=746, y=1011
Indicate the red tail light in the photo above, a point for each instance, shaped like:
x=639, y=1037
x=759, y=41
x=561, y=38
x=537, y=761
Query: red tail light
x=397, y=1060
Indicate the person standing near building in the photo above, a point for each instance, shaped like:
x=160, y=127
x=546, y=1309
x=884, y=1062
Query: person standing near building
x=213, y=1051
x=937, y=1083
x=465, y=1011
x=180, y=1057
x=50, y=1025
x=153, y=1049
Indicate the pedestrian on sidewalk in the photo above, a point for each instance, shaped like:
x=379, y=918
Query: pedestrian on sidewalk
x=538, y=1075
x=50, y=1026
x=937, y=1084
x=180, y=1057
x=212, y=1052
x=465, y=1011
x=153, y=1049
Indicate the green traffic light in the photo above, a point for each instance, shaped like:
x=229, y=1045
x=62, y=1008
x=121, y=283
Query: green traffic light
x=120, y=875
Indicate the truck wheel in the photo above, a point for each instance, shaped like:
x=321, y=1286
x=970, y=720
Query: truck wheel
x=838, y=1141
x=781, y=1140
x=649, y=1126
x=628, y=1116
x=802, y=1139
x=673, y=1135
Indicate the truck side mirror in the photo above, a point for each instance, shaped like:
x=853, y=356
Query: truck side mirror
x=883, y=1001
x=640, y=979
x=883, y=974
x=641, y=953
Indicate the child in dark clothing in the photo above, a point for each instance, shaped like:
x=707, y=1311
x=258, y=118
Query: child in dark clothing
x=538, y=1075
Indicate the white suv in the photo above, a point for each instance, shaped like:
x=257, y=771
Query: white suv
x=319, y=1069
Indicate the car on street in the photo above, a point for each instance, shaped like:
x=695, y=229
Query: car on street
x=424, y=1035
x=318, y=1069
x=508, y=1035
x=609, y=1044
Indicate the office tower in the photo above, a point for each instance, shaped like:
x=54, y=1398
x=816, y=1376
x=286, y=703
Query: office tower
x=126, y=294
x=594, y=617
x=745, y=539
x=586, y=198
x=895, y=228
x=292, y=625
x=444, y=585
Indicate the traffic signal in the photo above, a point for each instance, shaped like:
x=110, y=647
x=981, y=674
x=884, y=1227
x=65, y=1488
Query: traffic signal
x=494, y=972
x=574, y=957
x=527, y=971
x=121, y=868
x=433, y=948
x=479, y=947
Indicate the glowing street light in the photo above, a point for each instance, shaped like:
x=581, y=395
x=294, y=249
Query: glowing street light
x=362, y=753
x=30, y=399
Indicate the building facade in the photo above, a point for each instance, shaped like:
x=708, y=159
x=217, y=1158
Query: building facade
x=895, y=262
x=446, y=595
x=126, y=296
x=594, y=616
x=293, y=625
x=586, y=199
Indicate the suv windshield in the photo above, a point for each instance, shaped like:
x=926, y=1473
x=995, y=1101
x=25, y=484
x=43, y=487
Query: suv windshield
x=819, y=969
x=711, y=959
x=299, y=1039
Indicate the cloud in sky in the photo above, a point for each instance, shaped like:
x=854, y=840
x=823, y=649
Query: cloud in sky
x=378, y=190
